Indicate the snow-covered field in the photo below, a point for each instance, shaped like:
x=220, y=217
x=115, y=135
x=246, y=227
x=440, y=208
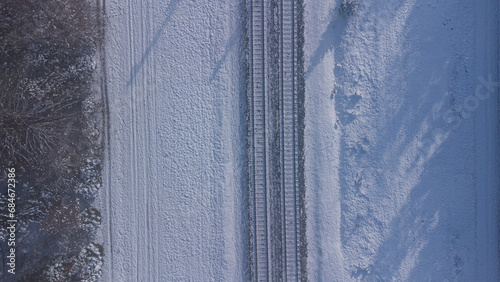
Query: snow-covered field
x=401, y=141
x=174, y=174
x=402, y=152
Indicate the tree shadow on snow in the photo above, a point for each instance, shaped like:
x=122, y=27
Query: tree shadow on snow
x=405, y=206
x=170, y=10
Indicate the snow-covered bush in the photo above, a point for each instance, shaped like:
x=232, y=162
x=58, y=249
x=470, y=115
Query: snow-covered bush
x=90, y=218
x=86, y=266
x=348, y=7
x=90, y=177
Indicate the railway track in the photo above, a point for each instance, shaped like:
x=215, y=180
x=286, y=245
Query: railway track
x=275, y=103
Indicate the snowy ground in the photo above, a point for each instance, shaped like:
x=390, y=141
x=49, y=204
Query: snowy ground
x=402, y=159
x=174, y=175
x=401, y=166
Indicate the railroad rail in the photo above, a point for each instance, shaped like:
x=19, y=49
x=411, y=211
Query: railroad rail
x=275, y=99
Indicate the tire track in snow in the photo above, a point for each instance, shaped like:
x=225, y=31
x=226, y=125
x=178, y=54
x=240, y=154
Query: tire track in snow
x=156, y=257
x=133, y=133
x=149, y=137
x=145, y=153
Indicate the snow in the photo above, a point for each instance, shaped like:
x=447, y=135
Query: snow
x=401, y=166
x=173, y=209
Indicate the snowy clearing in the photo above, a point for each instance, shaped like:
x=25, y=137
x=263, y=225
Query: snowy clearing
x=174, y=175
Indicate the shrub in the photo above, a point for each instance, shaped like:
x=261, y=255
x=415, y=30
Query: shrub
x=348, y=7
